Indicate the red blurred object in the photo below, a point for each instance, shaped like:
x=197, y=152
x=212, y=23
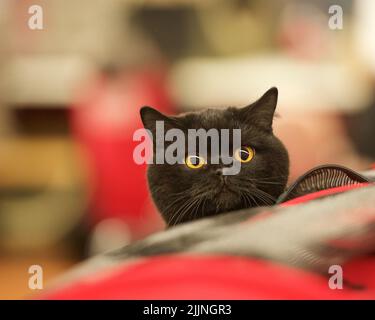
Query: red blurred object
x=104, y=119
x=215, y=277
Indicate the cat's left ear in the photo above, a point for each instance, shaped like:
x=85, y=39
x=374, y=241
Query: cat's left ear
x=150, y=116
x=262, y=111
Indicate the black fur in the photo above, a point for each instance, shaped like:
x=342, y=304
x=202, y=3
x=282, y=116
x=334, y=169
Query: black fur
x=182, y=194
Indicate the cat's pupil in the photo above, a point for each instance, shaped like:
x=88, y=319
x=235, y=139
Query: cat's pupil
x=194, y=160
x=244, y=154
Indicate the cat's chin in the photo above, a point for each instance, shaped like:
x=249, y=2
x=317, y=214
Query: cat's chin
x=227, y=200
x=225, y=194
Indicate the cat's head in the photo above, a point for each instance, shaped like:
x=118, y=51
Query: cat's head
x=196, y=186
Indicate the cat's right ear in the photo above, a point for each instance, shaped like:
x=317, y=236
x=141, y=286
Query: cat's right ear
x=262, y=111
x=150, y=116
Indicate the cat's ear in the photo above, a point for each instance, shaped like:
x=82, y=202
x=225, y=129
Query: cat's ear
x=262, y=111
x=149, y=117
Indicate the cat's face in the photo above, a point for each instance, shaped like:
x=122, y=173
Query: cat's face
x=198, y=188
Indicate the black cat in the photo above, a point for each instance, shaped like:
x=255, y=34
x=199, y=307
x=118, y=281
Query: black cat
x=196, y=188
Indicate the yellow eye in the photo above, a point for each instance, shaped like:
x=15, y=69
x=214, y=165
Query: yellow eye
x=194, y=162
x=244, y=154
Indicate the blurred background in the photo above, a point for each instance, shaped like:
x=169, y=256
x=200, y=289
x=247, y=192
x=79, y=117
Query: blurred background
x=70, y=95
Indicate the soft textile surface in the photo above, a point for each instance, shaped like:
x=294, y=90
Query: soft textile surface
x=273, y=252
